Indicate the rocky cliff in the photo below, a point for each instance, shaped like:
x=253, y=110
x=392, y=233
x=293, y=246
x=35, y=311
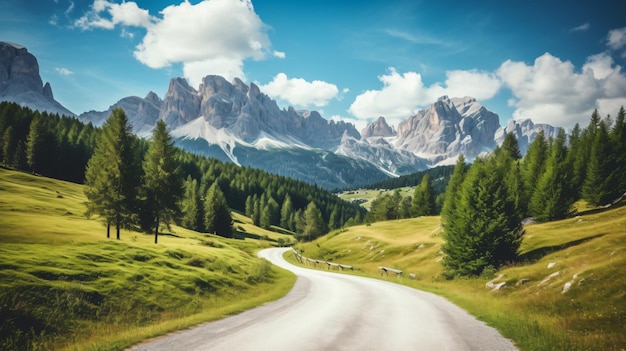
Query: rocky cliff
x=20, y=81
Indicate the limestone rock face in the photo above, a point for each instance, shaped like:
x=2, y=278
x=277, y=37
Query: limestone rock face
x=447, y=128
x=378, y=128
x=181, y=103
x=20, y=81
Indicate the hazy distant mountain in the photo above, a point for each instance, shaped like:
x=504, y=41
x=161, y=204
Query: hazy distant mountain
x=525, y=131
x=20, y=81
x=143, y=113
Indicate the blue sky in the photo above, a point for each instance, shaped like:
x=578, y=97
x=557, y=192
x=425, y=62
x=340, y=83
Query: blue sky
x=552, y=61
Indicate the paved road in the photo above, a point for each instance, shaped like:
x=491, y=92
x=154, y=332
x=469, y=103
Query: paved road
x=329, y=311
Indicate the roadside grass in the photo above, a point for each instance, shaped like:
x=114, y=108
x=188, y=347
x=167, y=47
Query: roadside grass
x=64, y=285
x=586, y=253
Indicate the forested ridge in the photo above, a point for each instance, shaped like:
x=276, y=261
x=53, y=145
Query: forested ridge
x=61, y=147
x=484, y=205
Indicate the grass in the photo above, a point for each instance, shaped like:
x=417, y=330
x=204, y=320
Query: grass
x=64, y=285
x=588, y=252
x=365, y=196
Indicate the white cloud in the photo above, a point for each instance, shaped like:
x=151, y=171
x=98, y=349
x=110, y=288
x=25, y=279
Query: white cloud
x=551, y=91
x=299, y=92
x=210, y=37
x=583, y=27
x=480, y=85
x=226, y=67
x=617, y=38
x=402, y=94
x=106, y=15
x=63, y=71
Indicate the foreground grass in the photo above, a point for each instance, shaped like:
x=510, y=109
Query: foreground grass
x=63, y=285
x=587, y=253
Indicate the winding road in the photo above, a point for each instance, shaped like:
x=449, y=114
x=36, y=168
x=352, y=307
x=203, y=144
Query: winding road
x=330, y=311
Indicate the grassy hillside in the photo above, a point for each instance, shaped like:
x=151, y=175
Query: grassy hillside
x=586, y=254
x=365, y=196
x=64, y=285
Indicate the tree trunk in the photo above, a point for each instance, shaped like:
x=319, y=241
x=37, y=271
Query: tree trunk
x=156, y=231
x=117, y=231
x=108, y=229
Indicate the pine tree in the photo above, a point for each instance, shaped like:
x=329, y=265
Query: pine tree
x=511, y=146
x=193, y=217
x=618, y=138
x=483, y=228
x=602, y=183
x=286, y=212
x=554, y=196
x=34, y=144
x=314, y=222
x=217, y=217
x=452, y=195
x=113, y=174
x=533, y=165
x=162, y=181
x=423, y=198
x=9, y=146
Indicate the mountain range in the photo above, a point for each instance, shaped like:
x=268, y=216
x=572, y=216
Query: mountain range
x=236, y=122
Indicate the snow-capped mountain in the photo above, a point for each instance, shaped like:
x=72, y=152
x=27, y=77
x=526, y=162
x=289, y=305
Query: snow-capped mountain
x=20, y=81
x=238, y=123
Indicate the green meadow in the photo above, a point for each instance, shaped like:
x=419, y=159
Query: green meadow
x=65, y=286
x=567, y=291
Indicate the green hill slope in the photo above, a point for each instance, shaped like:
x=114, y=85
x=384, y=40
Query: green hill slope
x=567, y=293
x=64, y=285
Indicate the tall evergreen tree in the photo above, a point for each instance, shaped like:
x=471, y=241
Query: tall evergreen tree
x=286, y=212
x=217, y=217
x=534, y=164
x=452, y=193
x=618, y=138
x=314, y=222
x=9, y=146
x=113, y=174
x=602, y=183
x=554, y=196
x=162, y=181
x=511, y=146
x=34, y=144
x=423, y=198
x=483, y=228
x=193, y=216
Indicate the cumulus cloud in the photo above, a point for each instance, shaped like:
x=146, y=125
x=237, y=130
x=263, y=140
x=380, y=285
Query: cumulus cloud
x=402, y=94
x=210, y=37
x=106, y=15
x=617, y=38
x=63, y=71
x=552, y=91
x=300, y=92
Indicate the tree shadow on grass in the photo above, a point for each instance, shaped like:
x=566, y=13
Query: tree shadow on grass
x=537, y=254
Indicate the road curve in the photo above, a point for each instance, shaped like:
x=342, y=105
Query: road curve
x=329, y=311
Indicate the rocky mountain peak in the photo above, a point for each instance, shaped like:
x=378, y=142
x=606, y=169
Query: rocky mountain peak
x=378, y=128
x=20, y=81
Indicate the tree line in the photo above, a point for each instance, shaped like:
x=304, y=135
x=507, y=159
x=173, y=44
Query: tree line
x=127, y=186
x=485, y=204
